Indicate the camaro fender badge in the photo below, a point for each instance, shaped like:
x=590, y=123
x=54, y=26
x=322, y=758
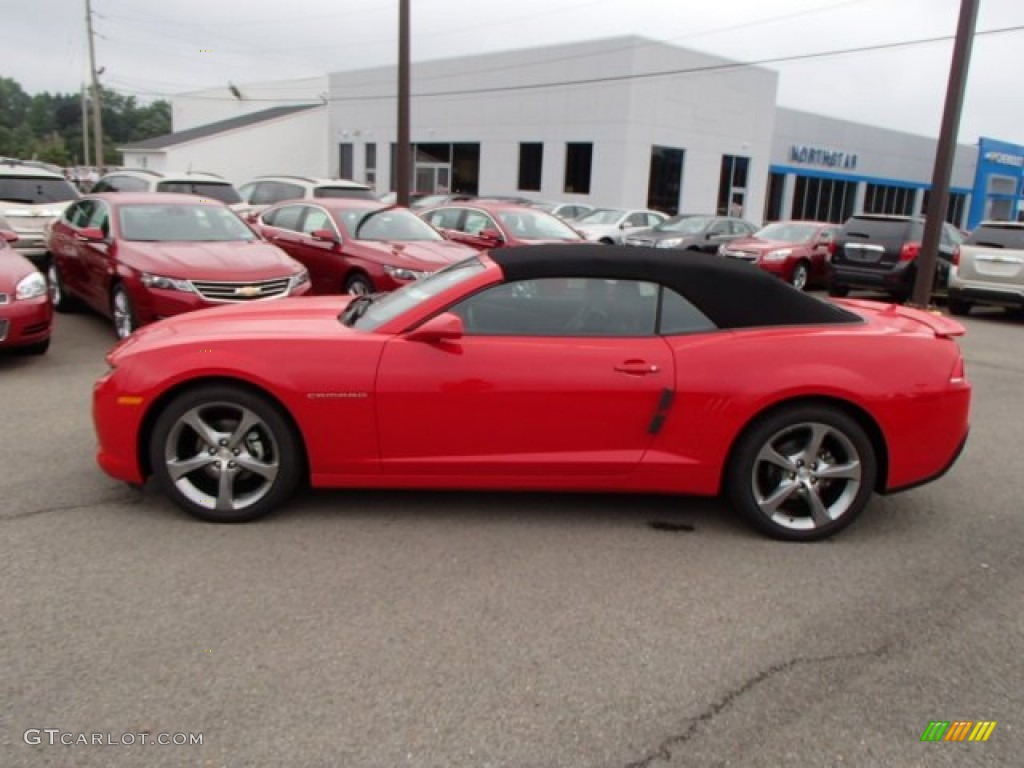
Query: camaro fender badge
x=248, y=290
x=337, y=395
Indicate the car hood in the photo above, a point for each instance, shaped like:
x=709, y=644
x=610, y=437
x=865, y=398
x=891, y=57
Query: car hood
x=13, y=268
x=290, y=319
x=231, y=261
x=421, y=255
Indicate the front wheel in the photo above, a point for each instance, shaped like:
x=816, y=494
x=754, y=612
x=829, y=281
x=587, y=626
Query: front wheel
x=800, y=275
x=225, y=454
x=358, y=285
x=802, y=473
x=122, y=312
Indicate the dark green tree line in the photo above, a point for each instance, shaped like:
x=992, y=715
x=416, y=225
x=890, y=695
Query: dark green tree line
x=48, y=126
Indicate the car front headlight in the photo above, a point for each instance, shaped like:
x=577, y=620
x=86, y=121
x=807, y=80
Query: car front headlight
x=30, y=287
x=401, y=273
x=672, y=242
x=166, y=283
x=299, y=278
x=780, y=255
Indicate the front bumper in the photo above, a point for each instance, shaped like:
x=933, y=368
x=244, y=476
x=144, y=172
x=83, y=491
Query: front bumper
x=25, y=322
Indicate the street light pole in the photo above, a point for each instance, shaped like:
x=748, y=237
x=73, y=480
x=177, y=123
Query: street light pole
x=97, y=122
x=938, y=200
x=403, y=159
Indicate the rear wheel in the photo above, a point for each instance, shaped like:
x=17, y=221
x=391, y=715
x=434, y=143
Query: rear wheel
x=802, y=473
x=958, y=306
x=358, y=285
x=800, y=274
x=225, y=454
x=59, y=297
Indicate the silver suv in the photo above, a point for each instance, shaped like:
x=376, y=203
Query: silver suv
x=265, y=191
x=31, y=199
x=988, y=268
x=199, y=183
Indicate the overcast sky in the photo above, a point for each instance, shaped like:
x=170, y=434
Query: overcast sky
x=154, y=48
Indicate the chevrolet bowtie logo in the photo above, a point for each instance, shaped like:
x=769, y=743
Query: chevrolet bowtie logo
x=248, y=290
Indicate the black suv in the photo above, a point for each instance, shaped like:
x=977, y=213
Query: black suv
x=878, y=252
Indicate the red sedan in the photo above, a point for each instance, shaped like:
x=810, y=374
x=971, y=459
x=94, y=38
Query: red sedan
x=485, y=224
x=26, y=315
x=141, y=257
x=795, y=251
x=585, y=367
x=358, y=246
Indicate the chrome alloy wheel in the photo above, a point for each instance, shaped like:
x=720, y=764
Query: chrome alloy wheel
x=222, y=456
x=806, y=476
x=800, y=276
x=53, y=283
x=123, y=315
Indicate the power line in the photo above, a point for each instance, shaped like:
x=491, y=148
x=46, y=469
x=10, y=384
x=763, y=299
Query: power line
x=724, y=66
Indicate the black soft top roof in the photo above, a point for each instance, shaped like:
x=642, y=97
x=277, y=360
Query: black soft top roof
x=731, y=293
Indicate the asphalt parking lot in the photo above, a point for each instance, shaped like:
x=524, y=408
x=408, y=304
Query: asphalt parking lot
x=433, y=629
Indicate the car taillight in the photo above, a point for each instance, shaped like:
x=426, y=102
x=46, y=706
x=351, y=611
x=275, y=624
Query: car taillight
x=909, y=251
x=956, y=255
x=959, y=374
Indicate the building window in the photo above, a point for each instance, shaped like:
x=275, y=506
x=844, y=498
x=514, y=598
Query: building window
x=666, y=179
x=773, y=202
x=882, y=198
x=370, y=174
x=955, y=207
x=531, y=160
x=732, y=185
x=578, y=159
x=817, y=199
x=346, y=166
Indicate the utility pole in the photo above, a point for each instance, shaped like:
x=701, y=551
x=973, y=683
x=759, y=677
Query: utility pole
x=403, y=104
x=85, y=129
x=938, y=200
x=97, y=122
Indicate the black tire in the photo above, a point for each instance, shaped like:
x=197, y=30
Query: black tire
x=205, y=419
x=958, y=307
x=778, y=501
x=801, y=275
x=837, y=290
x=122, y=312
x=60, y=298
x=606, y=241
x=358, y=285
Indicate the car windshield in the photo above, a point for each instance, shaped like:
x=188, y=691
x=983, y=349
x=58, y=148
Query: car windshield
x=784, y=232
x=602, y=216
x=684, y=225
x=387, y=224
x=36, y=190
x=996, y=236
x=345, y=193
x=223, y=192
x=182, y=224
x=536, y=225
x=386, y=307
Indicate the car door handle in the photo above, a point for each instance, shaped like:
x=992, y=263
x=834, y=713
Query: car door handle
x=636, y=368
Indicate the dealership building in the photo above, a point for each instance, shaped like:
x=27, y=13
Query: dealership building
x=615, y=122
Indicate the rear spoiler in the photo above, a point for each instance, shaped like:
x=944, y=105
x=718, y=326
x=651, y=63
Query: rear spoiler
x=942, y=326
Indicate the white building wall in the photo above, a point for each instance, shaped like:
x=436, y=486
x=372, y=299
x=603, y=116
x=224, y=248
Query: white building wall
x=295, y=144
x=196, y=108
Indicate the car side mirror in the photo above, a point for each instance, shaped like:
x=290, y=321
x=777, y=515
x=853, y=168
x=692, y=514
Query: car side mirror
x=8, y=235
x=324, y=235
x=444, y=327
x=491, y=236
x=91, y=235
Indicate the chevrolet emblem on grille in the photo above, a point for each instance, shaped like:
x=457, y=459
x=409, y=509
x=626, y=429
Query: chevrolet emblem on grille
x=248, y=290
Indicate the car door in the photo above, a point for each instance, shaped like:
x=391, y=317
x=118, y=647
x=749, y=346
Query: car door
x=325, y=259
x=97, y=261
x=66, y=246
x=280, y=226
x=553, y=377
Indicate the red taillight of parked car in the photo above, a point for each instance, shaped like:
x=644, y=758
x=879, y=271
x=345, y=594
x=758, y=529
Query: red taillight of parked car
x=956, y=255
x=831, y=250
x=909, y=251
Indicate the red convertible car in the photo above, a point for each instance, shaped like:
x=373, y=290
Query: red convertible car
x=560, y=367
x=26, y=315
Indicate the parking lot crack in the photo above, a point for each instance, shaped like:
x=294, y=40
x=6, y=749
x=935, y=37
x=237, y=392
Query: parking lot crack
x=664, y=751
x=130, y=497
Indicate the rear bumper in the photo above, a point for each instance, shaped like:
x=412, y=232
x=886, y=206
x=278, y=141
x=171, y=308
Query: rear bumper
x=986, y=293
x=899, y=278
x=948, y=465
